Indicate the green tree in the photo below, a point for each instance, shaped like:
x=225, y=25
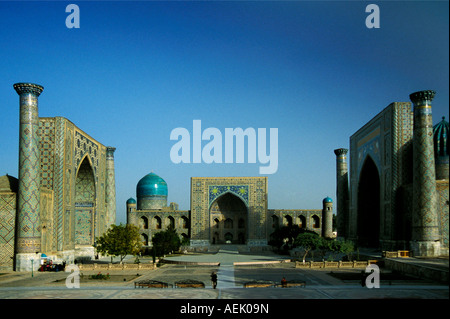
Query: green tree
x=346, y=247
x=165, y=242
x=341, y=246
x=308, y=241
x=120, y=240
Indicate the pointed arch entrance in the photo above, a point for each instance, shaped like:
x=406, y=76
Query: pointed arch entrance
x=228, y=220
x=368, y=219
x=85, y=198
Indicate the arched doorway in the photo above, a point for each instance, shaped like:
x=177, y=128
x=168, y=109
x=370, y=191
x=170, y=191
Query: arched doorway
x=228, y=220
x=368, y=219
x=84, y=204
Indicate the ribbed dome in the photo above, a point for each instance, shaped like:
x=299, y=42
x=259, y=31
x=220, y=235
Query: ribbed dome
x=440, y=134
x=151, y=184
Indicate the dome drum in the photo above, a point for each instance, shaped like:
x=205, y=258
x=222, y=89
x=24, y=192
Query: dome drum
x=151, y=202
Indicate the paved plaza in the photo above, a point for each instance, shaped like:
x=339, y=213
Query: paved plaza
x=320, y=283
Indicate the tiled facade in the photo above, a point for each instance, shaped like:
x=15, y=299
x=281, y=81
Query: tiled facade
x=395, y=149
x=227, y=210
x=61, y=205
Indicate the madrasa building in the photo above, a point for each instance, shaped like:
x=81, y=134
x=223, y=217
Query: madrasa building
x=394, y=195
x=65, y=194
x=224, y=210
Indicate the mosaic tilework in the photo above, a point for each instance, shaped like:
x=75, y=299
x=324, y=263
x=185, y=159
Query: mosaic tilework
x=216, y=191
x=443, y=191
x=46, y=218
x=83, y=226
x=7, y=226
x=85, y=145
x=425, y=219
x=207, y=189
x=28, y=232
x=387, y=139
x=46, y=135
x=84, y=204
x=110, y=195
x=58, y=183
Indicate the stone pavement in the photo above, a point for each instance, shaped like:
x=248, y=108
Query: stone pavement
x=319, y=283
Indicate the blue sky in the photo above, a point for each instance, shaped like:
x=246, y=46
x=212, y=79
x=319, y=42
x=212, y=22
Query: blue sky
x=134, y=71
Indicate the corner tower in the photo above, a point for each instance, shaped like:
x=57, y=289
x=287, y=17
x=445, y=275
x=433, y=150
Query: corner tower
x=327, y=218
x=28, y=236
x=425, y=224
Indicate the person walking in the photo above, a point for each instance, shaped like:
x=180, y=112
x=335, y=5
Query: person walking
x=214, y=280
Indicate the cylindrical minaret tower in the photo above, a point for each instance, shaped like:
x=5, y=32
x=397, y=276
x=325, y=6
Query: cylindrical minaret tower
x=110, y=196
x=131, y=208
x=425, y=227
x=327, y=218
x=28, y=233
x=342, y=190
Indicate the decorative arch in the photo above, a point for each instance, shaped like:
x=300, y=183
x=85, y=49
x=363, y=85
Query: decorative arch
x=216, y=191
x=85, y=203
x=287, y=220
x=228, y=219
x=143, y=222
x=302, y=221
x=157, y=223
x=315, y=221
x=170, y=222
x=368, y=204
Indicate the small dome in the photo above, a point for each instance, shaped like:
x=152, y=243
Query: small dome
x=9, y=184
x=440, y=135
x=131, y=200
x=151, y=185
x=327, y=200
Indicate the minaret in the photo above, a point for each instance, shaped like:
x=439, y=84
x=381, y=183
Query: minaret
x=28, y=232
x=131, y=208
x=425, y=227
x=110, y=196
x=342, y=192
x=327, y=218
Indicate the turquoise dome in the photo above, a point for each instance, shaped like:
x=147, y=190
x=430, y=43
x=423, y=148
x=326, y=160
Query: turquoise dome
x=327, y=200
x=131, y=200
x=151, y=185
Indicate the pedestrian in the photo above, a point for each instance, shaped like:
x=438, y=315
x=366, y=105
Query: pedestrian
x=214, y=279
x=283, y=282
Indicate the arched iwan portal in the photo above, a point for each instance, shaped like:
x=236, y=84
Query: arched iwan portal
x=369, y=205
x=228, y=220
x=84, y=204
